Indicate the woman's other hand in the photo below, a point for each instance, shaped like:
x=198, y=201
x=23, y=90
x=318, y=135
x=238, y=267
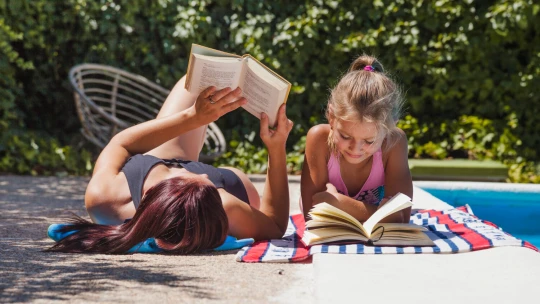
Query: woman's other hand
x=211, y=104
x=276, y=138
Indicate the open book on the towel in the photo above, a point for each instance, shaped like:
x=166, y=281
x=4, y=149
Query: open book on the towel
x=263, y=88
x=330, y=224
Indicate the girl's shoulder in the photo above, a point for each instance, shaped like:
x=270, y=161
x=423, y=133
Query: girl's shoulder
x=397, y=143
x=317, y=138
x=319, y=133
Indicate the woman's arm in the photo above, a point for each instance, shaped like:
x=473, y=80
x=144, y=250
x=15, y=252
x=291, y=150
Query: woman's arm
x=271, y=220
x=145, y=136
x=314, y=169
x=398, y=178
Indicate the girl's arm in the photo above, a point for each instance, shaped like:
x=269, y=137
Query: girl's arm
x=314, y=169
x=270, y=221
x=143, y=137
x=398, y=178
x=357, y=209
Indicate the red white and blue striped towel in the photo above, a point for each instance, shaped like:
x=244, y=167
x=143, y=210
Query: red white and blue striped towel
x=453, y=230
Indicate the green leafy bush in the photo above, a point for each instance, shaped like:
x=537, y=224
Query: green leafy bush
x=470, y=137
x=244, y=154
x=31, y=153
x=464, y=64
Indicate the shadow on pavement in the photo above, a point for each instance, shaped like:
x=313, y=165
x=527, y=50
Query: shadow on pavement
x=28, y=205
x=28, y=274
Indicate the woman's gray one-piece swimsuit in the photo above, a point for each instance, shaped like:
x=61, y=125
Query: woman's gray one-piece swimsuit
x=138, y=166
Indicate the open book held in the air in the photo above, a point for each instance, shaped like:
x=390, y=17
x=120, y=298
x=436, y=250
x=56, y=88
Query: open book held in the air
x=330, y=224
x=264, y=89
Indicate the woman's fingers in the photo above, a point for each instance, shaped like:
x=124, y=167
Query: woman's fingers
x=283, y=123
x=212, y=103
x=264, y=130
x=221, y=102
x=282, y=116
x=230, y=96
x=231, y=106
x=218, y=95
x=208, y=92
x=277, y=137
x=230, y=100
x=227, y=100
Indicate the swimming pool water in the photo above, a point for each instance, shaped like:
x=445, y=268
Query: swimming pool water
x=516, y=213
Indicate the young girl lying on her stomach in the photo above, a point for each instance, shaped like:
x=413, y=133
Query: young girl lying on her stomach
x=359, y=159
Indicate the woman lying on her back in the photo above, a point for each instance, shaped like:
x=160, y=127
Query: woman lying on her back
x=147, y=183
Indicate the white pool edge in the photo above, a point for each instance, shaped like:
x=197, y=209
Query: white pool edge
x=496, y=275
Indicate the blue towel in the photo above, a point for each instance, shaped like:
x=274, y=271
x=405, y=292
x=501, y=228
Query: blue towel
x=150, y=246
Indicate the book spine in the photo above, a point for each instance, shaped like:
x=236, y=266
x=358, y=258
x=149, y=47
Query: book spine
x=371, y=241
x=191, y=62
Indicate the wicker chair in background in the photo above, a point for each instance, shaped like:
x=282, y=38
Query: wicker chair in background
x=109, y=100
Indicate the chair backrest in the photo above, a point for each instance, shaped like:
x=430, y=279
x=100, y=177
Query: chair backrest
x=109, y=100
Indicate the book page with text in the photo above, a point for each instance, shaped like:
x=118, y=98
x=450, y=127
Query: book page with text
x=220, y=72
x=317, y=222
x=324, y=211
x=262, y=92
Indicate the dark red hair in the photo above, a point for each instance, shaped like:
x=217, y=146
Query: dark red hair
x=183, y=215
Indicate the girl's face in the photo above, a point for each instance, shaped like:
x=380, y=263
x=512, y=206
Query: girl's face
x=355, y=141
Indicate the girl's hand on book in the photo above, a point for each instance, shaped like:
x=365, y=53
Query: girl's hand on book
x=324, y=197
x=329, y=196
x=383, y=201
x=357, y=209
x=330, y=188
x=276, y=138
x=212, y=104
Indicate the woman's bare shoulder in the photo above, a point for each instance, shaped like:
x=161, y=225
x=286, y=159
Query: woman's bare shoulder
x=107, y=190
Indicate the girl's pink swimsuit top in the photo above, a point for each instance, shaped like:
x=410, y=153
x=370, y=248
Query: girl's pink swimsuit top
x=372, y=191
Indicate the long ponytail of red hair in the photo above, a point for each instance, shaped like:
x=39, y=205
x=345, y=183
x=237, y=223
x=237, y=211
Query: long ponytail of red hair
x=183, y=215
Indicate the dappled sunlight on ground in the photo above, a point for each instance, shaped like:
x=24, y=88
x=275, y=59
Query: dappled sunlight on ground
x=28, y=205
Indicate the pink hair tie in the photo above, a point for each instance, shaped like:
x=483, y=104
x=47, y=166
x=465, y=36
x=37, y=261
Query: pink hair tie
x=369, y=68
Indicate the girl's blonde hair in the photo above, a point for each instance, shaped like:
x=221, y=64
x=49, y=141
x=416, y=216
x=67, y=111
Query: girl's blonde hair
x=366, y=93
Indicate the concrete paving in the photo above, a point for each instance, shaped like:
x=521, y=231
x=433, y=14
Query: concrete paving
x=498, y=275
x=29, y=204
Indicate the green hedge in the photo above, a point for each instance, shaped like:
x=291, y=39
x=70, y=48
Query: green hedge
x=470, y=69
